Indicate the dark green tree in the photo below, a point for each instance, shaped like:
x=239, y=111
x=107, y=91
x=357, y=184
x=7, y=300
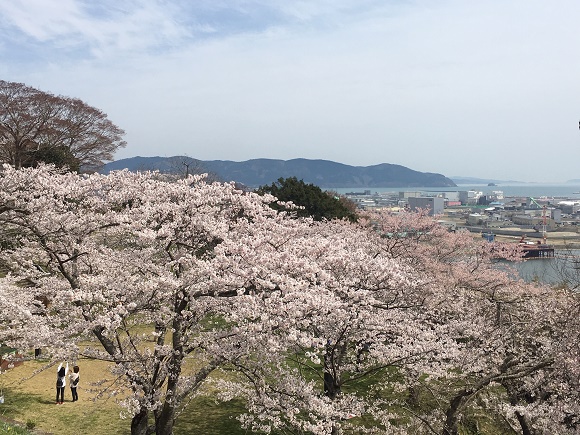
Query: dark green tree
x=317, y=203
x=61, y=157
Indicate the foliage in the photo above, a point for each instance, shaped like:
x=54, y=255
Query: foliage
x=106, y=254
x=431, y=308
x=39, y=126
x=61, y=157
x=390, y=324
x=313, y=201
x=11, y=429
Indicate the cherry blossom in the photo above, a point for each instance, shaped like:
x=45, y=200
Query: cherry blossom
x=323, y=327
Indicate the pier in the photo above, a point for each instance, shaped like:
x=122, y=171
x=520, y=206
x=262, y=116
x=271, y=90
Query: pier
x=538, y=251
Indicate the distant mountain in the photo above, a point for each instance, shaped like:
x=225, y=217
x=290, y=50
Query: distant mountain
x=575, y=181
x=259, y=172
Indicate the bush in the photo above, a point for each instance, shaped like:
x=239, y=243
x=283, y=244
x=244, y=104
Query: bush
x=11, y=429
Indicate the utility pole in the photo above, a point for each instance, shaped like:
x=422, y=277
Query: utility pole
x=544, y=210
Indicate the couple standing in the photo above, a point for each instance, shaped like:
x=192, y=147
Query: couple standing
x=74, y=378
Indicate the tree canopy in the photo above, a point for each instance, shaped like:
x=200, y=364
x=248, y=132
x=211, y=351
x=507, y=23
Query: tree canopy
x=314, y=201
x=390, y=324
x=37, y=125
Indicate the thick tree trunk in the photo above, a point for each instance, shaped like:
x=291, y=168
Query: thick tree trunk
x=164, y=420
x=139, y=423
x=331, y=387
x=516, y=395
x=331, y=381
x=331, y=373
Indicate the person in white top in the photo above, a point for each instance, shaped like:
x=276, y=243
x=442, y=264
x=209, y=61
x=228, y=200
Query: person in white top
x=60, y=382
x=74, y=381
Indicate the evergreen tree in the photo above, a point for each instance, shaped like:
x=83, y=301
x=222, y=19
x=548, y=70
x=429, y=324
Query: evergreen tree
x=316, y=203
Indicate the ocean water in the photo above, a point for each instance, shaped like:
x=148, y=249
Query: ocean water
x=565, y=266
x=523, y=190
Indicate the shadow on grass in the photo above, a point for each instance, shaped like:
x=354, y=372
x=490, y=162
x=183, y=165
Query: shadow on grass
x=11, y=411
x=15, y=402
x=206, y=416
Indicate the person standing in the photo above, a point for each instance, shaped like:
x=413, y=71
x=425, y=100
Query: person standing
x=74, y=381
x=61, y=382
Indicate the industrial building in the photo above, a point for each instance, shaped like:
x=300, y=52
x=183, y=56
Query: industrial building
x=435, y=205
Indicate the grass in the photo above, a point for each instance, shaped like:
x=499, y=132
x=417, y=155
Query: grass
x=12, y=429
x=29, y=392
x=30, y=400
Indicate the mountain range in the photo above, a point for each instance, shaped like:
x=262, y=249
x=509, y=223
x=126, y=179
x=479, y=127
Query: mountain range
x=260, y=172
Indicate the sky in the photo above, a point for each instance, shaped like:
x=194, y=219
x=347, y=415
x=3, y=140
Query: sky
x=487, y=89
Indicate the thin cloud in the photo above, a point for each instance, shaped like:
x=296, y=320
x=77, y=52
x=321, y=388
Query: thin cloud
x=429, y=85
x=111, y=27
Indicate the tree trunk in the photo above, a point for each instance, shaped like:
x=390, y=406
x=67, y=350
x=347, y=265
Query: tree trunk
x=331, y=373
x=164, y=420
x=331, y=387
x=451, y=416
x=524, y=424
x=139, y=423
x=517, y=394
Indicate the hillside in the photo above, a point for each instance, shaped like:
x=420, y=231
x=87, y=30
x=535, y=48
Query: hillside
x=259, y=172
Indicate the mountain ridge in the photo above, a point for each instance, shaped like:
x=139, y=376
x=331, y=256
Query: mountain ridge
x=259, y=172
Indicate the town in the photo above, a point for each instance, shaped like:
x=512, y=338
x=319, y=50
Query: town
x=527, y=220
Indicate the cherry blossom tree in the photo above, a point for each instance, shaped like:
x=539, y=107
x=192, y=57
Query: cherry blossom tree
x=547, y=400
x=409, y=310
x=357, y=322
x=372, y=316
x=505, y=330
x=113, y=254
x=391, y=324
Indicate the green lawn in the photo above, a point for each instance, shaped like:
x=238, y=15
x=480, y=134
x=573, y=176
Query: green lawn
x=30, y=398
x=29, y=393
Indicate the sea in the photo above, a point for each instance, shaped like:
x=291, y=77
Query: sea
x=563, y=268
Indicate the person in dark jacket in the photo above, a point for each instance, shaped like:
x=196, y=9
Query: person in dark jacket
x=61, y=382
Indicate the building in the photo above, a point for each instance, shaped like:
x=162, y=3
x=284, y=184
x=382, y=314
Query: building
x=405, y=195
x=569, y=207
x=533, y=221
x=473, y=196
x=477, y=219
x=435, y=205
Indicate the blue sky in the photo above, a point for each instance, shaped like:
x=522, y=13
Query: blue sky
x=487, y=89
